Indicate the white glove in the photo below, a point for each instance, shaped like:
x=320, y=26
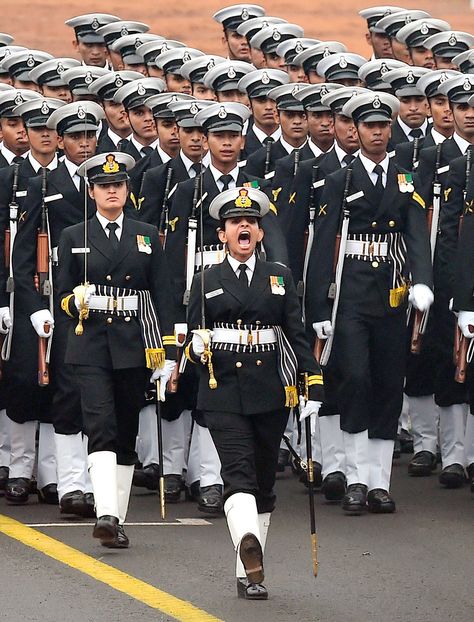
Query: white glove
x=39, y=319
x=198, y=344
x=5, y=320
x=323, y=329
x=89, y=292
x=309, y=408
x=466, y=323
x=163, y=374
x=421, y=297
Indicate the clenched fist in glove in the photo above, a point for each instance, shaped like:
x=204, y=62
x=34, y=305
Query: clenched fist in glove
x=163, y=374
x=5, y=320
x=421, y=297
x=323, y=329
x=90, y=290
x=39, y=319
x=466, y=323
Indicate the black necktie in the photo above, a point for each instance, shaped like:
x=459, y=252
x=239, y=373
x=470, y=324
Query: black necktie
x=18, y=160
x=122, y=144
x=243, y=276
x=197, y=167
x=379, y=187
x=416, y=133
x=147, y=150
x=113, y=239
x=268, y=139
x=225, y=180
x=348, y=158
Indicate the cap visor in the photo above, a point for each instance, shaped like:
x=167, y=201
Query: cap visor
x=81, y=127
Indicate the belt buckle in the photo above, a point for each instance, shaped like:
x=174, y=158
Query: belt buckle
x=249, y=337
x=371, y=248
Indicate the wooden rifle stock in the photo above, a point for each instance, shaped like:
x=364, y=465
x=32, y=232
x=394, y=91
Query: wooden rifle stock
x=43, y=371
x=43, y=284
x=461, y=365
x=415, y=344
x=318, y=348
x=164, y=208
x=6, y=247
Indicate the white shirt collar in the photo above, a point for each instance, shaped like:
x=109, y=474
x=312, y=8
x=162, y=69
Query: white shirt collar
x=250, y=263
x=406, y=129
x=139, y=147
x=37, y=166
x=163, y=155
x=188, y=163
x=105, y=221
x=341, y=154
x=437, y=136
x=72, y=170
x=216, y=173
x=369, y=166
x=9, y=155
x=461, y=142
x=260, y=134
x=115, y=138
x=289, y=147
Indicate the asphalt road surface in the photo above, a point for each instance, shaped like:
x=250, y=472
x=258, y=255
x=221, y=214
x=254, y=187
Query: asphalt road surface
x=414, y=565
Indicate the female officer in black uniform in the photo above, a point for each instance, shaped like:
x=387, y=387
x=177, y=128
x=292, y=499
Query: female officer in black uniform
x=127, y=328
x=258, y=347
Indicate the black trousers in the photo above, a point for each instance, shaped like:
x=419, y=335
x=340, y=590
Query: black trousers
x=369, y=355
x=248, y=450
x=111, y=400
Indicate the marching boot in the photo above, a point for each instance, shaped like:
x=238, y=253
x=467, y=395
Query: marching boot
x=124, y=485
x=356, y=447
x=380, y=455
x=333, y=458
x=71, y=465
x=244, y=527
x=452, y=424
x=22, y=458
x=103, y=472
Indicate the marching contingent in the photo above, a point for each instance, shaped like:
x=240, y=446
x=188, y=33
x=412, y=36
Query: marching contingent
x=218, y=267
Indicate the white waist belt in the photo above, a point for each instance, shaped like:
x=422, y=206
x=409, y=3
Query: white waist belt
x=244, y=337
x=111, y=304
x=211, y=258
x=366, y=249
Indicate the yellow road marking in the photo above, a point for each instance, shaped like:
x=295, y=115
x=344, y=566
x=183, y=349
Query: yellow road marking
x=121, y=581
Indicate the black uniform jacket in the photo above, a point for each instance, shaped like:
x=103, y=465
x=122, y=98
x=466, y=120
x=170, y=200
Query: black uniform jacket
x=464, y=262
x=153, y=188
x=256, y=161
x=141, y=167
x=404, y=152
x=180, y=211
x=254, y=386
x=366, y=285
x=109, y=340
x=252, y=143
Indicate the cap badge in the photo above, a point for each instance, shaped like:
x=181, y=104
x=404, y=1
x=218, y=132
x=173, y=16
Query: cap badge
x=408, y=19
x=165, y=48
x=222, y=114
x=467, y=85
x=387, y=12
x=384, y=69
x=424, y=29
x=326, y=53
x=18, y=99
x=276, y=35
x=141, y=90
x=296, y=89
x=60, y=68
x=88, y=78
x=410, y=77
x=111, y=165
x=243, y=199
x=95, y=24
x=231, y=73
x=118, y=81
x=452, y=39
x=138, y=42
x=124, y=31
x=376, y=103
x=194, y=109
x=342, y=62
x=299, y=47
x=186, y=57
x=30, y=61
x=81, y=113
x=45, y=108
x=323, y=91
x=265, y=78
x=211, y=64
x=443, y=78
x=245, y=14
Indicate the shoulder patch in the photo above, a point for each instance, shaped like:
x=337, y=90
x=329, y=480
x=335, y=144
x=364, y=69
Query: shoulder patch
x=416, y=197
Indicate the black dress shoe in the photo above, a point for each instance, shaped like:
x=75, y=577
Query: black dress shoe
x=17, y=490
x=406, y=442
x=193, y=492
x=120, y=542
x=173, y=488
x=88, y=508
x=211, y=499
x=423, y=463
x=453, y=476
x=355, y=499
x=48, y=494
x=72, y=503
x=251, y=591
x=470, y=475
x=397, y=449
x=379, y=501
x=317, y=475
x=334, y=486
x=283, y=460
x=106, y=529
x=251, y=556
x=147, y=477
x=4, y=471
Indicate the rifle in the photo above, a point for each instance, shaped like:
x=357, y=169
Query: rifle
x=10, y=235
x=296, y=161
x=161, y=476
x=181, y=330
x=432, y=218
x=309, y=233
x=191, y=246
x=461, y=343
x=268, y=153
x=163, y=228
x=416, y=149
x=338, y=265
x=43, y=281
